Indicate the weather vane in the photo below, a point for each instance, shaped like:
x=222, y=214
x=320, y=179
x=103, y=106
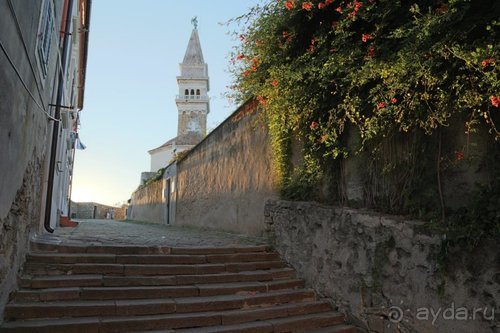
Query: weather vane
x=194, y=22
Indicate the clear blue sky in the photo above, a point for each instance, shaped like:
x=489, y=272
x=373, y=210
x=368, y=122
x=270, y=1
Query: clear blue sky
x=129, y=108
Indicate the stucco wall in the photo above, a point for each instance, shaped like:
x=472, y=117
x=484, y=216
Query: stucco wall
x=148, y=203
x=23, y=135
x=224, y=181
x=375, y=266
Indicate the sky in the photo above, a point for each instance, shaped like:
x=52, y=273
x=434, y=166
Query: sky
x=135, y=48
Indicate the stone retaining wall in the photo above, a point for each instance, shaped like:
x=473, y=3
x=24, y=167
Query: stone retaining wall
x=224, y=181
x=374, y=266
x=148, y=203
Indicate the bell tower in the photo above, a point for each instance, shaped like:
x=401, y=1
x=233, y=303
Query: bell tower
x=192, y=105
x=192, y=100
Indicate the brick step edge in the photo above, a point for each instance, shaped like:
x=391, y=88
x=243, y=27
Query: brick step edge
x=156, y=269
x=180, y=304
x=60, y=247
x=201, y=322
x=152, y=292
x=95, y=280
x=176, y=259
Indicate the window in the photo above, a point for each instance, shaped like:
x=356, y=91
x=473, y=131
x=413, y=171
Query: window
x=192, y=91
x=186, y=92
x=197, y=92
x=44, y=38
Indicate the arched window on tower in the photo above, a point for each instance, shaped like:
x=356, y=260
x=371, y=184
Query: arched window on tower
x=197, y=92
x=186, y=92
x=192, y=92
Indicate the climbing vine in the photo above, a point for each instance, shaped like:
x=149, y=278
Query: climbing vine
x=321, y=68
x=376, y=70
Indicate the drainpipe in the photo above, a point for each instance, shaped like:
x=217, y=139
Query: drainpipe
x=57, y=115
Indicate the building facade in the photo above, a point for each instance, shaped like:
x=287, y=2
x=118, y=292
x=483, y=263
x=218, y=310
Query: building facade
x=193, y=106
x=43, y=57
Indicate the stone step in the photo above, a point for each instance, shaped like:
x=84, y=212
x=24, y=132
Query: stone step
x=58, y=247
x=336, y=329
x=59, y=325
x=178, y=259
x=138, y=292
x=206, y=322
x=35, y=268
x=96, y=280
x=300, y=323
x=294, y=304
x=77, y=287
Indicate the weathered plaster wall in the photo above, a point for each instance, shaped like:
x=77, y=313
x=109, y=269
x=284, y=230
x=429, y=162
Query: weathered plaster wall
x=225, y=180
x=148, y=203
x=405, y=168
x=367, y=263
x=23, y=134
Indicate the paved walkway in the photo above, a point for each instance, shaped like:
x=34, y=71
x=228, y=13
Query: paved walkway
x=96, y=232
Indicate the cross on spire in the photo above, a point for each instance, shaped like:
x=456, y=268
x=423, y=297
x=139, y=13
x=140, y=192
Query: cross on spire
x=194, y=22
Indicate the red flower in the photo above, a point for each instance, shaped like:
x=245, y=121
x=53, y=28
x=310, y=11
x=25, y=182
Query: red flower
x=287, y=36
x=328, y=2
x=356, y=6
x=394, y=100
x=289, y=5
x=339, y=9
x=262, y=100
x=313, y=125
x=442, y=9
x=371, y=51
x=240, y=57
x=459, y=155
x=487, y=62
x=311, y=47
x=274, y=83
x=321, y=5
x=495, y=101
x=247, y=73
x=307, y=5
x=366, y=37
x=380, y=105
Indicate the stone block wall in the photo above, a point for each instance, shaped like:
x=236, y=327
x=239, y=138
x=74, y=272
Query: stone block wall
x=94, y=210
x=384, y=272
x=148, y=203
x=225, y=180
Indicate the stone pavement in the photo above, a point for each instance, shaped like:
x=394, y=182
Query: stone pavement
x=107, y=232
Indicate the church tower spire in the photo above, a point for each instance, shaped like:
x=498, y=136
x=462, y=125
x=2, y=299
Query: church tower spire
x=192, y=100
x=193, y=104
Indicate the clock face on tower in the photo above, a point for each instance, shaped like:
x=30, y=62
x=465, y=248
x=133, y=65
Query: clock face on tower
x=193, y=126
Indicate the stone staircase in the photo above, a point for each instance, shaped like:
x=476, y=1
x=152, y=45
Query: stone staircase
x=75, y=288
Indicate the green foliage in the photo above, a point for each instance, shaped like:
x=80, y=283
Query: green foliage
x=468, y=226
x=380, y=67
x=388, y=71
x=150, y=180
x=180, y=156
